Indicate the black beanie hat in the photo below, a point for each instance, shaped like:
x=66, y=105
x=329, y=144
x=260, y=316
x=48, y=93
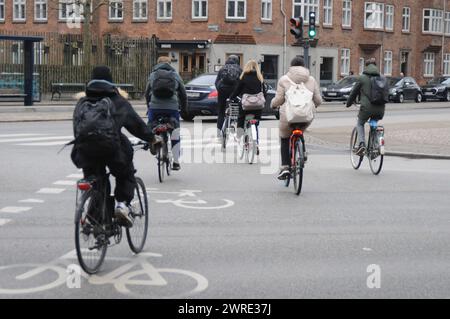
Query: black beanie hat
x=102, y=73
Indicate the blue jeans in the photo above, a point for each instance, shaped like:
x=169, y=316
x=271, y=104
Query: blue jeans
x=174, y=117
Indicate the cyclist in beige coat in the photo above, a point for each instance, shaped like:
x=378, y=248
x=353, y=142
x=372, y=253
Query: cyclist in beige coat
x=298, y=74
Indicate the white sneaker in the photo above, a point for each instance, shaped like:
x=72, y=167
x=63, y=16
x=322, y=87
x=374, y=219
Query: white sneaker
x=122, y=214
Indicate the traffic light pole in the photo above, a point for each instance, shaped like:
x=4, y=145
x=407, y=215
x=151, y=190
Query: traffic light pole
x=306, y=52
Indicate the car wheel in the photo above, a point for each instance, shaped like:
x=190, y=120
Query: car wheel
x=187, y=117
x=277, y=115
x=419, y=98
x=447, y=96
x=401, y=98
x=326, y=100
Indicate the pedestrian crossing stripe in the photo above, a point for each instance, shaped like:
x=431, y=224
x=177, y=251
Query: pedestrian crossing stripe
x=14, y=209
x=4, y=221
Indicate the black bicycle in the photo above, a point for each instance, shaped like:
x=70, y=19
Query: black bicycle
x=163, y=127
x=96, y=229
x=297, y=153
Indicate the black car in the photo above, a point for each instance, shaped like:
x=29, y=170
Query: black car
x=437, y=89
x=402, y=89
x=202, y=98
x=339, y=91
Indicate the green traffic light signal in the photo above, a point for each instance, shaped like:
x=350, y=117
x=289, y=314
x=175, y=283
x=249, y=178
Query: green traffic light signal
x=312, y=33
x=312, y=25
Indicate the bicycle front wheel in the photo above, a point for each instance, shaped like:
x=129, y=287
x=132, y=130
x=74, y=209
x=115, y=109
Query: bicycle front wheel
x=137, y=234
x=375, y=158
x=91, y=241
x=355, y=159
x=297, y=170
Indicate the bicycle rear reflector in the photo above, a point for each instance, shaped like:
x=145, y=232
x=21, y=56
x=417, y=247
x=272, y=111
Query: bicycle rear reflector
x=84, y=186
x=298, y=132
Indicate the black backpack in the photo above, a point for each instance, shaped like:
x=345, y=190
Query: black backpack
x=379, y=90
x=164, y=84
x=230, y=74
x=95, y=130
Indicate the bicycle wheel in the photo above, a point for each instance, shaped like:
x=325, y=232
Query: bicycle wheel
x=297, y=170
x=137, y=234
x=169, y=160
x=161, y=164
x=374, y=156
x=225, y=133
x=251, y=147
x=91, y=242
x=242, y=145
x=355, y=159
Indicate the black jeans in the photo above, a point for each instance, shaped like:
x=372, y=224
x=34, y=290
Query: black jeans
x=285, y=158
x=222, y=105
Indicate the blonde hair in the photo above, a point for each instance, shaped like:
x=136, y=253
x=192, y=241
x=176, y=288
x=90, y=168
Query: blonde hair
x=164, y=59
x=252, y=65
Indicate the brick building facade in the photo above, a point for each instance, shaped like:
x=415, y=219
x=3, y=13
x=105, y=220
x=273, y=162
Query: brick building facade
x=406, y=36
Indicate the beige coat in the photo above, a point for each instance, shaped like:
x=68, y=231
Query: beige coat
x=298, y=75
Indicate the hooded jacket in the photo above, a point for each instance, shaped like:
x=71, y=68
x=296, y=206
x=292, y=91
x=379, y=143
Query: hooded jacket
x=176, y=102
x=123, y=114
x=362, y=88
x=231, y=66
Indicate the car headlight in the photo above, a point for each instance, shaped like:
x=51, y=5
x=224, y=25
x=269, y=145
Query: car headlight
x=324, y=89
x=393, y=91
x=441, y=88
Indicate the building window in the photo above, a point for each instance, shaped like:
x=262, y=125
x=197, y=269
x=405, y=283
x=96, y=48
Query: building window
x=199, y=9
x=40, y=10
x=432, y=20
x=387, y=62
x=164, y=10
x=446, y=64
x=2, y=10
x=70, y=10
x=345, y=62
x=140, y=10
x=266, y=10
x=302, y=8
x=347, y=13
x=447, y=23
x=116, y=10
x=19, y=11
x=429, y=64
x=328, y=12
x=362, y=64
x=236, y=9
x=406, y=19
x=374, y=15
x=389, y=18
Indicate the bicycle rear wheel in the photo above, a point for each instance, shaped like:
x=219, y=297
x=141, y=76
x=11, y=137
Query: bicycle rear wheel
x=355, y=159
x=251, y=147
x=297, y=170
x=375, y=159
x=91, y=241
x=225, y=133
x=161, y=164
x=137, y=234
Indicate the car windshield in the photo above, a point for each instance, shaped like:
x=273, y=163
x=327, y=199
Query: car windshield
x=394, y=81
x=207, y=79
x=440, y=80
x=347, y=81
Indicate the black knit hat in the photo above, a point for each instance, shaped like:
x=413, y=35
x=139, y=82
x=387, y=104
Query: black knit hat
x=102, y=72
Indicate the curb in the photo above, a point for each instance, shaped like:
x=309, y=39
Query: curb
x=418, y=155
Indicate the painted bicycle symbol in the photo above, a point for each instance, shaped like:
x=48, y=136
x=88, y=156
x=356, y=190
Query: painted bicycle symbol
x=137, y=273
x=188, y=199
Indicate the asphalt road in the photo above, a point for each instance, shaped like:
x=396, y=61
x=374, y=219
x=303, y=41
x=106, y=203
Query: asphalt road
x=224, y=229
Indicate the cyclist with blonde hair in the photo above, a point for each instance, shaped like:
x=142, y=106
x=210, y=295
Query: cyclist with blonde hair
x=250, y=82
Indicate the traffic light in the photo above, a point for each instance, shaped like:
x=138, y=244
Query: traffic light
x=312, y=25
x=297, y=27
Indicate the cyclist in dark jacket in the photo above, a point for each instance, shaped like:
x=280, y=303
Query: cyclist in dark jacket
x=120, y=165
x=225, y=83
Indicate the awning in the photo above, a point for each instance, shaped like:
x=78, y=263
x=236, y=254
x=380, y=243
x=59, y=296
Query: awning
x=234, y=39
x=183, y=44
x=21, y=38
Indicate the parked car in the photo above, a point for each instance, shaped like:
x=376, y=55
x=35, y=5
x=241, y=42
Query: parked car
x=402, y=89
x=437, y=89
x=202, y=98
x=339, y=91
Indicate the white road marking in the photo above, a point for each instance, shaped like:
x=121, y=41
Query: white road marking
x=45, y=143
x=14, y=209
x=31, y=200
x=75, y=176
x=31, y=139
x=65, y=183
x=4, y=221
x=367, y=249
x=20, y=135
x=51, y=190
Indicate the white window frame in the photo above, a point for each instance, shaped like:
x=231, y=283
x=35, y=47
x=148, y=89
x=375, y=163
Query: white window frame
x=137, y=14
x=115, y=11
x=347, y=13
x=73, y=11
x=447, y=23
x=17, y=57
x=435, y=18
x=362, y=65
x=345, y=62
x=387, y=63
x=377, y=19
x=429, y=64
x=446, y=69
x=201, y=5
x=328, y=12
x=406, y=19
x=389, y=24
x=19, y=10
x=306, y=6
x=236, y=5
x=40, y=6
x=166, y=14
x=2, y=10
x=266, y=10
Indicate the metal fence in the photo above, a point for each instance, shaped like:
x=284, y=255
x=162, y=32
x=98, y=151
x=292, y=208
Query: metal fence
x=60, y=58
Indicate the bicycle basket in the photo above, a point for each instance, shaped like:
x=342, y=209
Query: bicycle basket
x=233, y=110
